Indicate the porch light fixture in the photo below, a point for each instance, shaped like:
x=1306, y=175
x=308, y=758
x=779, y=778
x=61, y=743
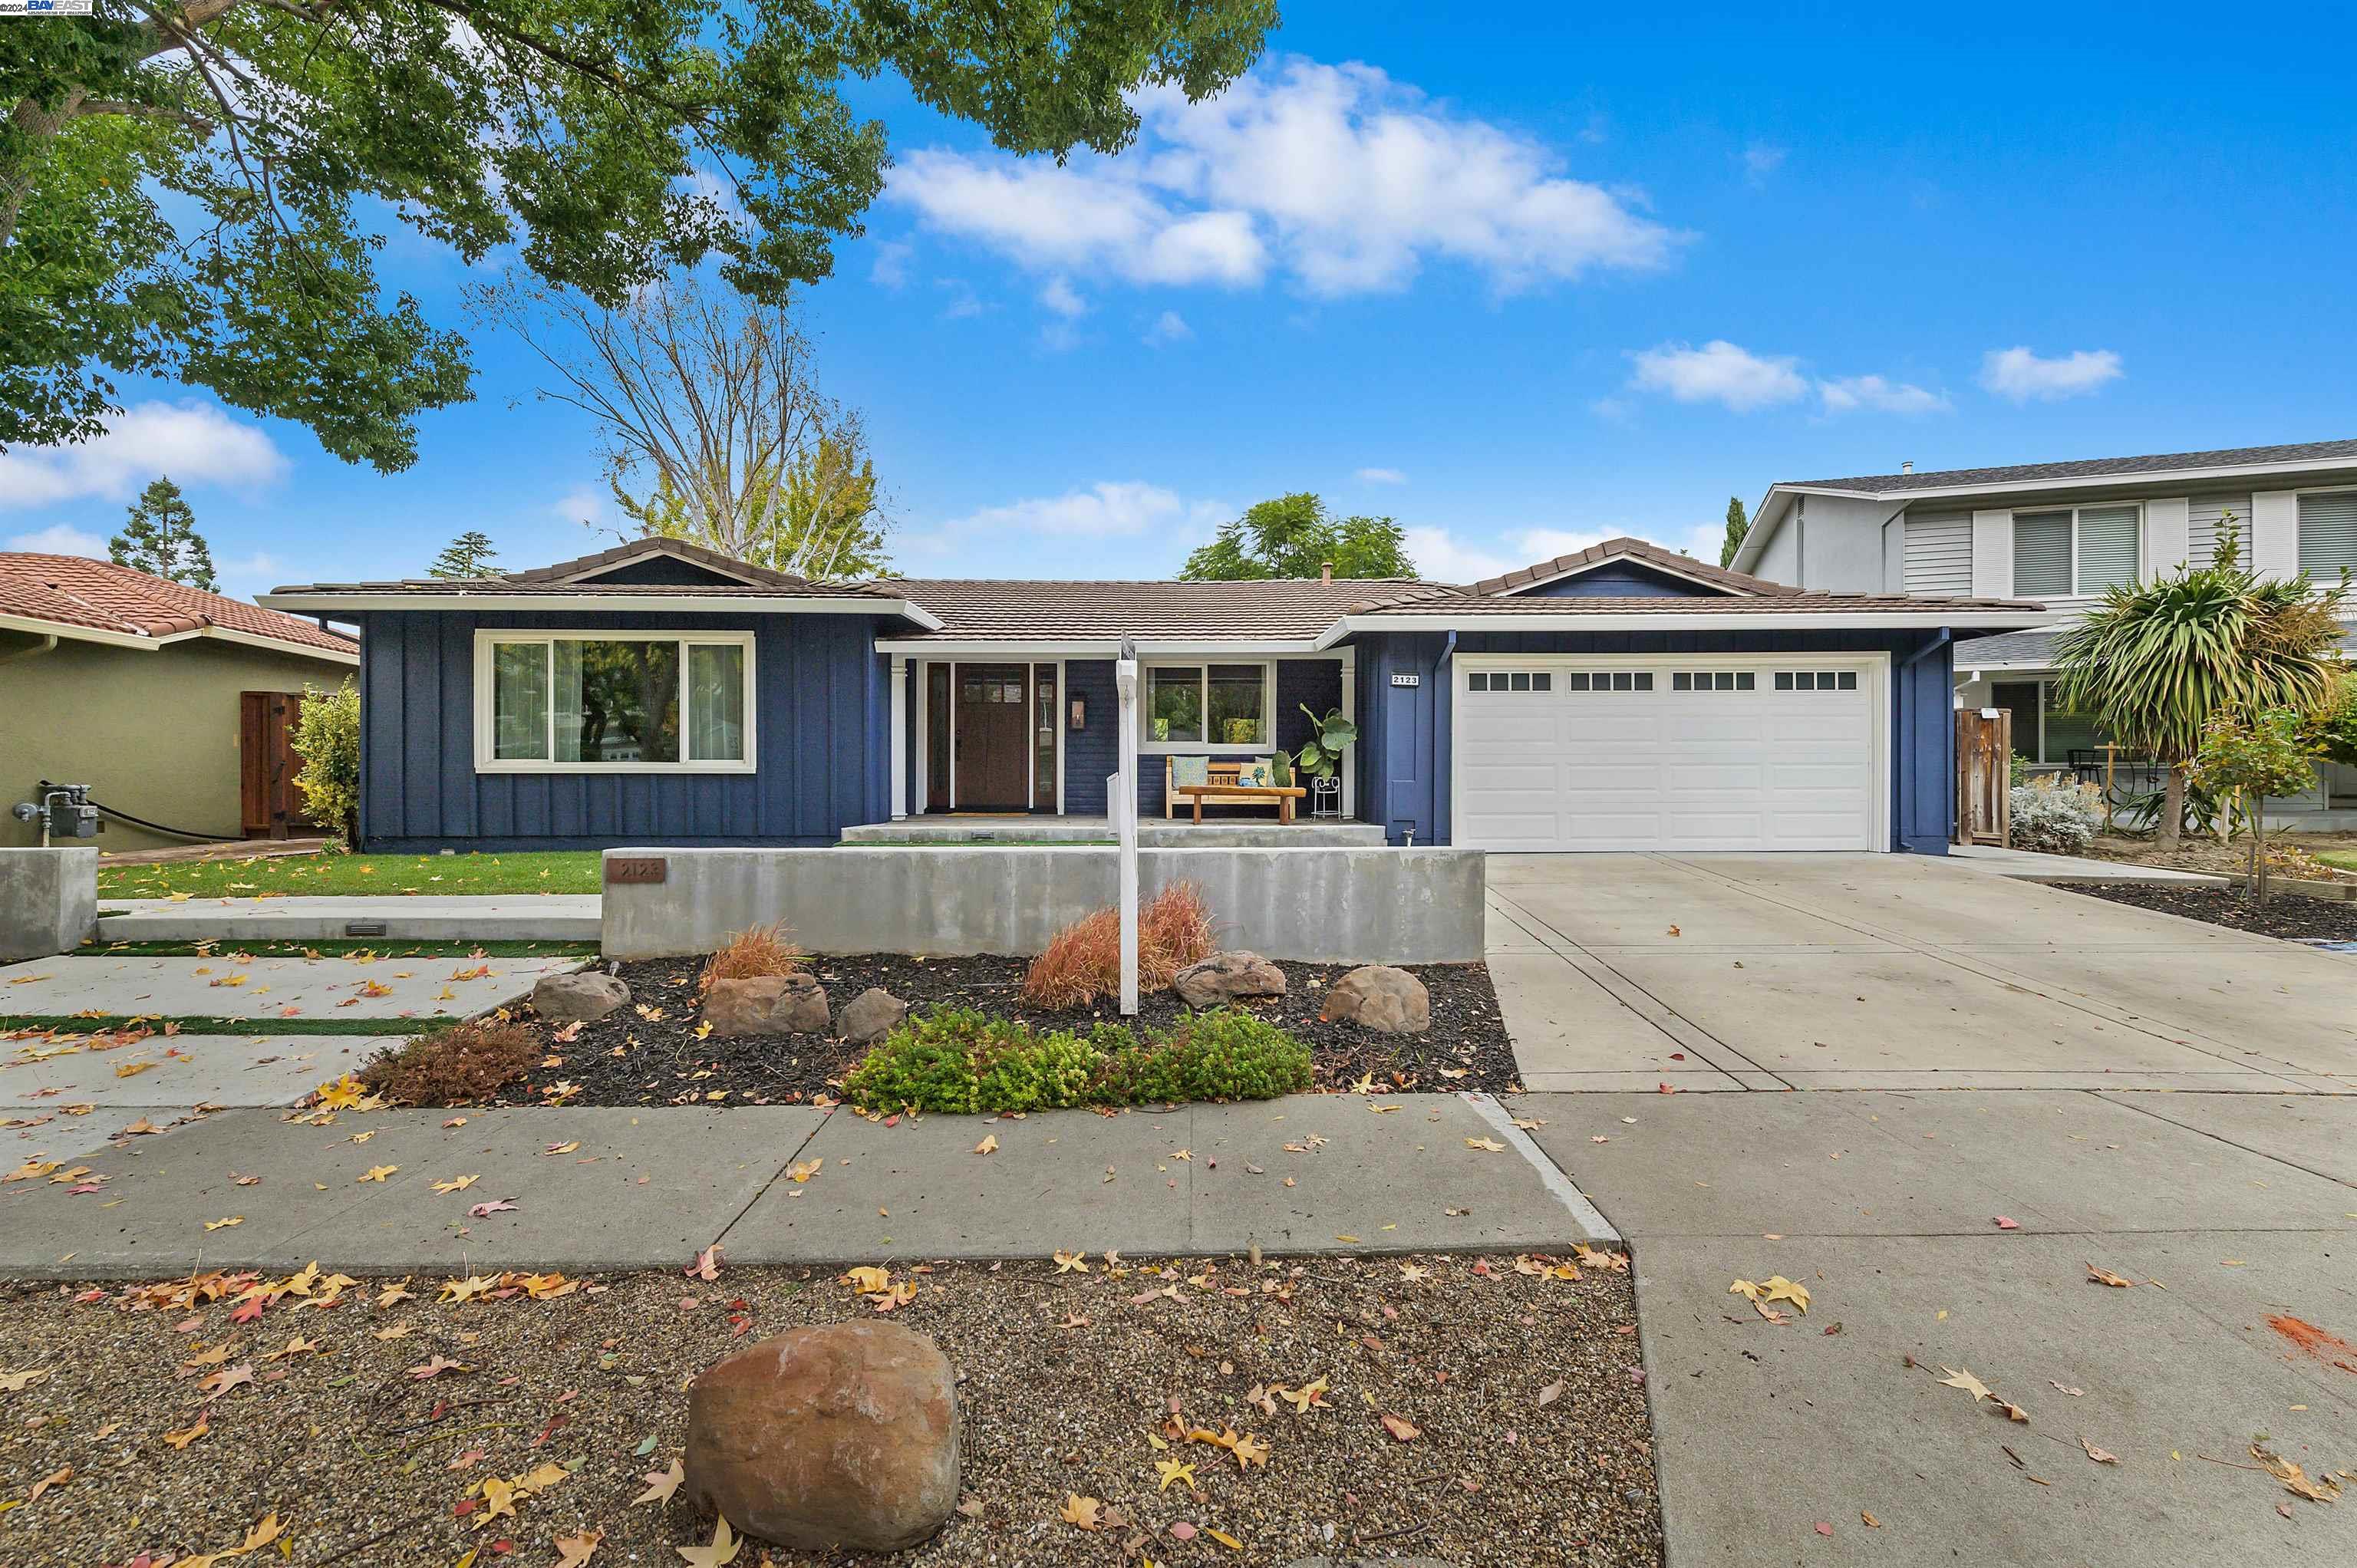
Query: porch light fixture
x=1079, y=713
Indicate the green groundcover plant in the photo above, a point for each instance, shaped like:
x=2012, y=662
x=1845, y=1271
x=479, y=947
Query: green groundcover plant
x=956, y=1059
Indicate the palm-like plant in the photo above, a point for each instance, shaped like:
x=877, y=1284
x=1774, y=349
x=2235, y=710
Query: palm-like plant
x=2155, y=660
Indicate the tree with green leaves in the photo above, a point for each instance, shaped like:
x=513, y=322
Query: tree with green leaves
x=189, y=189
x=468, y=555
x=825, y=521
x=2156, y=661
x=1295, y=536
x=2266, y=755
x=1738, y=525
x=160, y=537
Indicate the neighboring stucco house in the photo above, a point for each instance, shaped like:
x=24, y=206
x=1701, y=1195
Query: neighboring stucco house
x=2063, y=532
x=165, y=699
x=1625, y=697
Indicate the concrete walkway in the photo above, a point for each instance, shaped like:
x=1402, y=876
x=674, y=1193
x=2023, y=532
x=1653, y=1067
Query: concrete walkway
x=2236, y=1214
x=526, y=917
x=343, y=986
x=613, y=1188
x=2032, y=865
x=61, y=1097
x=1880, y=972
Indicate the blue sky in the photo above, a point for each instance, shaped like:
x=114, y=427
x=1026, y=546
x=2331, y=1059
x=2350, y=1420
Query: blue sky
x=1565, y=276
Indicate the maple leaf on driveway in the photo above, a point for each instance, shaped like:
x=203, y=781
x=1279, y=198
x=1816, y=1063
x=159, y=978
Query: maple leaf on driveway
x=706, y=1265
x=228, y=1378
x=495, y=1206
x=457, y=1184
x=436, y=1367
x=1081, y=1512
x=572, y=1551
x=1969, y=1383
x=661, y=1485
x=722, y=1552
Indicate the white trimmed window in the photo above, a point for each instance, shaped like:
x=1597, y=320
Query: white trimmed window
x=2073, y=550
x=613, y=702
x=2328, y=534
x=1215, y=708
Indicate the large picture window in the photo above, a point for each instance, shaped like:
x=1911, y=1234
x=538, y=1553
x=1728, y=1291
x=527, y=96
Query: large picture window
x=1208, y=707
x=618, y=701
x=2075, y=550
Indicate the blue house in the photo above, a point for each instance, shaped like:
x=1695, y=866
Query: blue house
x=1621, y=698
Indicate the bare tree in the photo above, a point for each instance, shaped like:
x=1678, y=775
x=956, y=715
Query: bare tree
x=712, y=421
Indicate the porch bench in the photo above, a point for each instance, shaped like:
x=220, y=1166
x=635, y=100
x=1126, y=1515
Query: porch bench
x=1221, y=788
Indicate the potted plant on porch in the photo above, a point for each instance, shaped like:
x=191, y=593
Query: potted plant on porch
x=1321, y=757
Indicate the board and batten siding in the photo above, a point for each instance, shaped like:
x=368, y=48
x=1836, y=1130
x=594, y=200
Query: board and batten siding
x=821, y=737
x=1939, y=562
x=2203, y=517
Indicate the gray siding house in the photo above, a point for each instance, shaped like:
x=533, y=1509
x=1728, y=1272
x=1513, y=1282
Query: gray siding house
x=2063, y=532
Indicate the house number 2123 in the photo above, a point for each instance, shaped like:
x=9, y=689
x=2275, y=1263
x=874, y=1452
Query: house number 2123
x=1407, y=679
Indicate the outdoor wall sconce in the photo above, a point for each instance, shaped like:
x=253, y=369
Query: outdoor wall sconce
x=1079, y=714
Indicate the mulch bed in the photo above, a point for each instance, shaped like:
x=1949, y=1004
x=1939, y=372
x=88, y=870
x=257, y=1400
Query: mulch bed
x=661, y=1062
x=2284, y=915
x=1063, y=1377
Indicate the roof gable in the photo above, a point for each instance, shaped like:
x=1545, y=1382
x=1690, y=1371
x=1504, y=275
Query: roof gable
x=670, y=562
x=1626, y=567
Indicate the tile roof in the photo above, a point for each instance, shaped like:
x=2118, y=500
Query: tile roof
x=679, y=549
x=505, y=587
x=1276, y=609
x=98, y=596
x=1786, y=602
x=2093, y=467
x=1639, y=550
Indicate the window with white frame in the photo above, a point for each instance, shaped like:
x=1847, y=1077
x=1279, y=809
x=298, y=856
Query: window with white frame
x=1210, y=706
x=2328, y=534
x=2071, y=550
x=589, y=701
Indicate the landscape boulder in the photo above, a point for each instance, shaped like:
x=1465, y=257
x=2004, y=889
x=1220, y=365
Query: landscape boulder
x=1382, y=998
x=582, y=998
x=842, y=1436
x=768, y=1005
x=870, y=1015
x=1228, y=977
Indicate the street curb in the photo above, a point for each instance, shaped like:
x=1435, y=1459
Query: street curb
x=1551, y=1176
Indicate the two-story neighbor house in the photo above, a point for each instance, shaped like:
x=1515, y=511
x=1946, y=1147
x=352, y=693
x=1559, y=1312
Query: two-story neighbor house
x=2063, y=532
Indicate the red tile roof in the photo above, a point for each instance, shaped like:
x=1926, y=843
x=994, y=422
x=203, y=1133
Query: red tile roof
x=73, y=592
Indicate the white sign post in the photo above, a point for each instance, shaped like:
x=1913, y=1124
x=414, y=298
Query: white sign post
x=1123, y=800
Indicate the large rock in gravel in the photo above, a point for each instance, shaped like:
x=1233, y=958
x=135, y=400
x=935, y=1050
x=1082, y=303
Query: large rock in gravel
x=1228, y=977
x=768, y=1005
x=844, y=1435
x=870, y=1015
x=1380, y=997
x=582, y=998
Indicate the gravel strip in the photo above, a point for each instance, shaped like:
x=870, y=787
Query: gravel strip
x=663, y=1062
x=2285, y=915
x=1063, y=1378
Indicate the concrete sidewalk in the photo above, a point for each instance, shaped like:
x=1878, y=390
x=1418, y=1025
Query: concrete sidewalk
x=599, y=1188
x=60, y=1098
x=2235, y=1214
x=526, y=917
x=343, y=986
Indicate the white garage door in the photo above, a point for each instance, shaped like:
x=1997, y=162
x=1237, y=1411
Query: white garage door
x=1692, y=752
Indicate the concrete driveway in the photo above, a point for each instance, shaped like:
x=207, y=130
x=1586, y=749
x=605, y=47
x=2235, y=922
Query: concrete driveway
x=2169, y=1114
x=1627, y=971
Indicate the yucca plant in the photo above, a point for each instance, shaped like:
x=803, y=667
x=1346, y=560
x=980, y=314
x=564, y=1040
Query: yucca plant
x=2155, y=660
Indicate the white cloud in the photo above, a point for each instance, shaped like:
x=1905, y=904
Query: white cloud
x=1845, y=394
x=1761, y=160
x=1381, y=477
x=1334, y=176
x=963, y=301
x=1721, y=372
x=60, y=539
x=247, y=576
x=195, y=443
x=587, y=505
x=1169, y=327
x=1112, y=508
x=2021, y=375
x=1061, y=298
x=890, y=268
x=1440, y=556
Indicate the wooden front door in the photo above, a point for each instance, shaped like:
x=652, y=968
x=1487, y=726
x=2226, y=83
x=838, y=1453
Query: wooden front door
x=271, y=803
x=992, y=739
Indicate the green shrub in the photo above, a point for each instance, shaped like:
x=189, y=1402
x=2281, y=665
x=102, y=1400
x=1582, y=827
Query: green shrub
x=327, y=737
x=955, y=1059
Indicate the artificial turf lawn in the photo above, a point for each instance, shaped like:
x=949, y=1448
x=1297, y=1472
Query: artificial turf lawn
x=300, y=875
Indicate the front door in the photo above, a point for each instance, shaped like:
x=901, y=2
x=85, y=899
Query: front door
x=991, y=738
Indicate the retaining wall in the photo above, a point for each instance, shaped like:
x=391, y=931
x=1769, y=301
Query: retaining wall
x=48, y=901
x=1316, y=906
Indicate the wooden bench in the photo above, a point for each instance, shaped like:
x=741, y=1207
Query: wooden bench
x=1222, y=790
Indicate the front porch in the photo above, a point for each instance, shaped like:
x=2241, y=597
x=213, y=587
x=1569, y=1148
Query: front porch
x=1153, y=832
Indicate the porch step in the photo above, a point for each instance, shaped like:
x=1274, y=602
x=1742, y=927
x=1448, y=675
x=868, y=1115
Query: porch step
x=537, y=918
x=1152, y=832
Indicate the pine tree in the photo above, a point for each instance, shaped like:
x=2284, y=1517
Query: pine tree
x=468, y=555
x=1736, y=527
x=160, y=537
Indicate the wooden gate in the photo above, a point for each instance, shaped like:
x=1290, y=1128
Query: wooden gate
x=271, y=804
x=1983, y=775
